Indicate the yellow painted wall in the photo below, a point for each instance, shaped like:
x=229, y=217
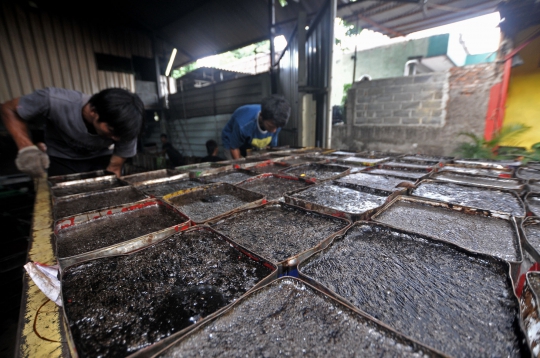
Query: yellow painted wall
x=523, y=101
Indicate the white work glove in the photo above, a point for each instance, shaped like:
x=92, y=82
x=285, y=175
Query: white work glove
x=32, y=161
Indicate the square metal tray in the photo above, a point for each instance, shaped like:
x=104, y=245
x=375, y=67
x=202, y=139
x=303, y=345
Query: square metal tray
x=270, y=244
x=455, y=224
x=253, y=322
x=271, y=194
x=268, y=167
x=486, y=163
x=161, y=187
x=532, y=204
x=474, y=169
x=216, y=177
x=410, y=283
x=408, y=173
x=85, y=186
x=530, y=313
x=376, y=181
x=365, y=159
x=78, y=176
x=333, y=188
x=513, y=184
x=528, y=173
x=433, y=159
x=201, y=293
x=533, y=186
x=309, y=171
x=530, y=235
x=184, y=200
x=462, y=194
x=79, y=224
x=80, y=203
x=141, y=178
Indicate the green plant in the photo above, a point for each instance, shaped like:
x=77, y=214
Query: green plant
x=480, y=148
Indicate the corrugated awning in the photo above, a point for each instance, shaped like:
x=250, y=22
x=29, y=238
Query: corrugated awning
x=207, y=27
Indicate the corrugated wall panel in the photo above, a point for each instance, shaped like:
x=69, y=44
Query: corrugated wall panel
x=38, y=49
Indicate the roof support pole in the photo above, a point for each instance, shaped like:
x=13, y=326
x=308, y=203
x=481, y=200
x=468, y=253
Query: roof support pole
x=330, y=60
x=271, y=33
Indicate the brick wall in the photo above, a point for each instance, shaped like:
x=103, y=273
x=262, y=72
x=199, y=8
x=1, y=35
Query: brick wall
x=408, y=101
x=463, y=110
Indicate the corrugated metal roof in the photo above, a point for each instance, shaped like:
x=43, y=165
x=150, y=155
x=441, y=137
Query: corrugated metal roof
x=206, y=27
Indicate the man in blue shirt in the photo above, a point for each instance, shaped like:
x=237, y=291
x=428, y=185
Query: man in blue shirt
x=255, y=126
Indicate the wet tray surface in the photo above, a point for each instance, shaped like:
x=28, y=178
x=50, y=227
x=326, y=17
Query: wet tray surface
x=426, y=166
x=156, y=174
x=425, y=158
x=78, y=176
x=508, y=183
x=531, y=229
x=529, y=310
x=289, y=318
x=405, y=173
x=115, y=228
x=272, y=186
x=534, y=186
x=350, y=199
x=278, y=231
x=85, y=186
x=365, y=160
x=475, y=197
x=382, y=182
x=299, y=160
x=496, y=173
x=316, y=171
x=230, y=177
x=208, y=202
x=270, y=168
x=476, y=232
x=164, y=188
x=76, y=204
x=533, y=203
x=459, y=303
x=118, y=305
x=528, y=173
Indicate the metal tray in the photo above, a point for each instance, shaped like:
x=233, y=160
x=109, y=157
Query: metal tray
x=478, y=170
x=516, y=185
x=252, y=162
x=530, y=314
x=201, y=166
x=459, y=197
x=300, y=170
x=78, y=176
x=184, y=198
x=434, y=159
x=266, y=280
x=376, y=181
x=485, y=163
x=532, y=204
x=533, y=186
x=80, y=203
x=79, y=222
x=330, y=209
x=301, y=159
x=530, y=239
x=392, y=155
x=420, y=165
x=250, y=243
x=367, y=160
x=271, y=195
x=528, y=173
x=455, y=224
x=84, y=186
x=140, y=178
x=407, y=173
x=310, y=336
x=408, y=274
x=268, y=167
x=214, y=177
x=160, y=187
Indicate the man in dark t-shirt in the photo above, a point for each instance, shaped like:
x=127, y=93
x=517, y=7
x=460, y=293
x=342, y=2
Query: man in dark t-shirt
x=175, y=157
x=82, y=132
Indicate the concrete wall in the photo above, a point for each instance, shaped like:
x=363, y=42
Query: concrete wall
x=465, y=109
x=380, y=62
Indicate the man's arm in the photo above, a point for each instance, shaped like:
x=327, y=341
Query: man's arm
x=235, y=153
x=15, y=124
x=115, y=165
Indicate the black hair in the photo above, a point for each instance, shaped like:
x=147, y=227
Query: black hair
x=277, y=109
x=121, y=109
x=211, y=145
x=163, y=135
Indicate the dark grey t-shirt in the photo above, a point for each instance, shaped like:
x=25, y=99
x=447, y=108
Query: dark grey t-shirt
x=66, y=135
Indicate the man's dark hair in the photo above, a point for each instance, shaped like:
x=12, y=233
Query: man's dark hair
x=211, y=145
x=121, y=109
x=277, y=109
x=163, y=135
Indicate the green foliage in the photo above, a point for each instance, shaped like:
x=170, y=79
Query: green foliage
x=345, y=91
x=283, y=3
x=479, y=148
x=352, y=28
x=183, y=70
